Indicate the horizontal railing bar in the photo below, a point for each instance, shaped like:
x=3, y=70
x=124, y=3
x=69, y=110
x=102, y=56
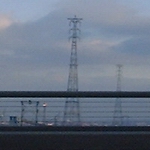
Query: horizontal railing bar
x=79, y=94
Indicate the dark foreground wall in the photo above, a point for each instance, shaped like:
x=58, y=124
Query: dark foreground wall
x=74, y=138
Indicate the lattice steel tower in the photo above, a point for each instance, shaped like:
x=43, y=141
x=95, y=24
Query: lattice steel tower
x=72, y=110
x=117, y=118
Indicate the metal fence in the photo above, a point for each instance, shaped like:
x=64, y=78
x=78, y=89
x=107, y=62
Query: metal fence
x=96, y=108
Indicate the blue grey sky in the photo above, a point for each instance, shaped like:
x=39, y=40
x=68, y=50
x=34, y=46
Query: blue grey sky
x=27, y=10
x=35, y=51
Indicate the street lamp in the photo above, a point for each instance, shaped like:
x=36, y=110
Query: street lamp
x=44, y=112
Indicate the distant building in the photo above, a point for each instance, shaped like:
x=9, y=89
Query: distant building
x=13, y=121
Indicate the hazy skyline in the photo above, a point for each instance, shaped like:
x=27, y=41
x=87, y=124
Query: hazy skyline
x=35, y=51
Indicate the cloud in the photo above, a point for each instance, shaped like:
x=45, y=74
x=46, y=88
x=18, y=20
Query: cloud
x=35, y=55
x=135, y=46
x=5, y=21
x=107, y=17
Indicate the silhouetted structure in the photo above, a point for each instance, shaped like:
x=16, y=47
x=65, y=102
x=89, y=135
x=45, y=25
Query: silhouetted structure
x=32, y=108
x=72, y=110
x=117, y=118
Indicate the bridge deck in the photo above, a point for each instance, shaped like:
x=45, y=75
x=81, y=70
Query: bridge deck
x=75, y=138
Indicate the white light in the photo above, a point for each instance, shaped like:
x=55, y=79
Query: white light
x=44, y=104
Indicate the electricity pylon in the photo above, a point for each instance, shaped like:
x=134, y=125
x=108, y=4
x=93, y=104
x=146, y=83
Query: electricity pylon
x=117, y=118
x=72, y=107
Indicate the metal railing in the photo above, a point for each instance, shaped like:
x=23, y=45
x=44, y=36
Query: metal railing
x=97, y=108
x=34, y=120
